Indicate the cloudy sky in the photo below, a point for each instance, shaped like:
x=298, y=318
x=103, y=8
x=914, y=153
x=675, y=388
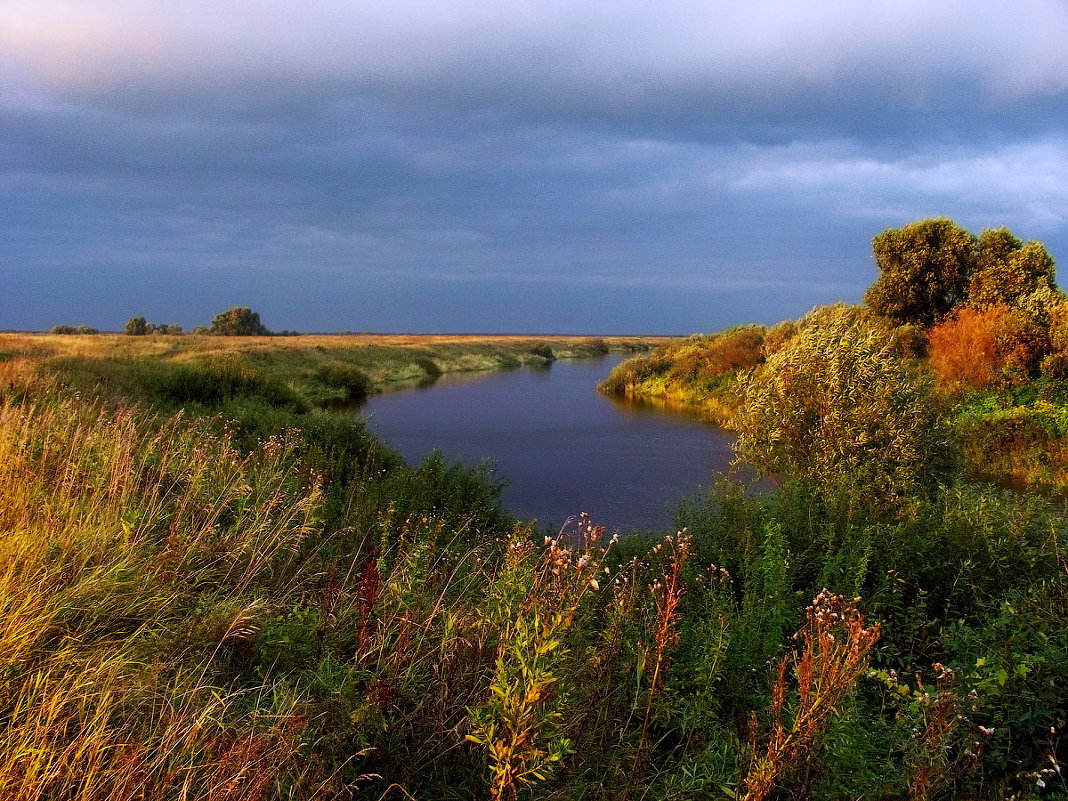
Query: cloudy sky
x=450, y=165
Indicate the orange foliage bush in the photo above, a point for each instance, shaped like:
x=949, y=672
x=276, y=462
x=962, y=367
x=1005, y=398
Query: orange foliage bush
x=964, y=347
x=982, y=347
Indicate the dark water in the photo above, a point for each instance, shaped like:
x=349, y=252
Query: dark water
x=563, y=447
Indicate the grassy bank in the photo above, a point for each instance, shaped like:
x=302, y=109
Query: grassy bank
x=317, y=368
x=698, y=374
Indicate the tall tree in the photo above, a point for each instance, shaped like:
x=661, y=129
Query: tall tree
x=924, y=270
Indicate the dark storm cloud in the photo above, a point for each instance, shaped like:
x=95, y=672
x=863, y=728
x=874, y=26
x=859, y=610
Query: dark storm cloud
x=524, y=166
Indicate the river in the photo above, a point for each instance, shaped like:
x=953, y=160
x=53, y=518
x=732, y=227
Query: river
x=563, y=447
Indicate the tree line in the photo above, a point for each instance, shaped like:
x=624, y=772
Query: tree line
x=237, y=321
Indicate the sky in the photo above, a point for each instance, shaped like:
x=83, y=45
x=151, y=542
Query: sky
x=520, y=167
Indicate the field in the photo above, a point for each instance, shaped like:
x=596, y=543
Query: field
x=304, y=361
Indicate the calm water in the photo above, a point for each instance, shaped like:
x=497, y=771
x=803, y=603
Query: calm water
x=563, y=447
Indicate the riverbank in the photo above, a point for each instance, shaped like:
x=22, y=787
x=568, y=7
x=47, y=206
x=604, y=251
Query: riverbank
x=698, y=374
x=314, y=368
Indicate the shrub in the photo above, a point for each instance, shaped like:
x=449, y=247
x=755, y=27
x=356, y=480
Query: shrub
x=1058, y=327
x=836, y=405
x=340, y=375
x=910, y=342
x=69, y=329
x=965, y=349
x=778, y=335
x=429, y=366
x=995, y=345
x=1055, y=366
x=597, y=346
x=544, y=351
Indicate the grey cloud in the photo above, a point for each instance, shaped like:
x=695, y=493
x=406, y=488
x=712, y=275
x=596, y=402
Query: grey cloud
x=594, y=54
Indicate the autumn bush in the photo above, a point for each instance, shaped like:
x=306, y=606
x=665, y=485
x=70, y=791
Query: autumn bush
x=983, y=347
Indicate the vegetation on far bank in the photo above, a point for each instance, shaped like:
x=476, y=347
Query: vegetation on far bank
x=980, y=317
x=310, y=370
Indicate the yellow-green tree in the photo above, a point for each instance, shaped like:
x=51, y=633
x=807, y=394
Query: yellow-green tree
x=1013, y=273
x=924, y=270
x=136, y=327
x=238, y=321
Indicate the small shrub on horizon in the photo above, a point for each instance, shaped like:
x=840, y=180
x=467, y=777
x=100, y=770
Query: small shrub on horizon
x=69, y=329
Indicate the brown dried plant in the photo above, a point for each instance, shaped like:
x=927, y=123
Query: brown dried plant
x=835, y=647
x=667, y=593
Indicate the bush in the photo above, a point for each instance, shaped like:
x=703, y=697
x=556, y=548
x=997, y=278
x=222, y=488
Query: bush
x=339, y=375
x=837, y=406
x=69, y=329
x=910, y=342
x=1055, y=366
x=429, y=366
x=993, y=346
x=778, y=335
x=597, y=346
x=697, y=364
x=543, y=350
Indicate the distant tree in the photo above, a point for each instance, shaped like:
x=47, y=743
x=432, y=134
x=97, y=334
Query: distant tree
x=69, y=329
x=136, y=327
x=168, y=328
x=237, y=321
x=924, y=271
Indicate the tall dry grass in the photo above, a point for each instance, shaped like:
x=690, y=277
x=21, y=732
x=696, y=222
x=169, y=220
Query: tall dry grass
x=110, y=531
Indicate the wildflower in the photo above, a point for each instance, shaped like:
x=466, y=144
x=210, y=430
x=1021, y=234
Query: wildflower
x=986, y=732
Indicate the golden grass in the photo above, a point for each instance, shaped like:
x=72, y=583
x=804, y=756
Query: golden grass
x=106, y=528
x=120, y=345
